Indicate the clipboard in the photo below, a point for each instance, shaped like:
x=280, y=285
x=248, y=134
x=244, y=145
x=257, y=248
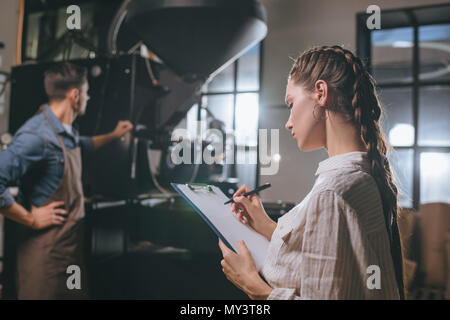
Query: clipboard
x=208, y=202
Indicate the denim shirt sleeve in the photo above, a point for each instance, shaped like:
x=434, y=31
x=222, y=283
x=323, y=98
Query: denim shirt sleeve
x=26, y=150
x=86, y=143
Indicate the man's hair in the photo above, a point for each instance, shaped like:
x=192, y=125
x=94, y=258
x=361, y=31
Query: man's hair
x=62, y=77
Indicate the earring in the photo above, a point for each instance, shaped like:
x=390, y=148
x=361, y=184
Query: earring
x=314, y=115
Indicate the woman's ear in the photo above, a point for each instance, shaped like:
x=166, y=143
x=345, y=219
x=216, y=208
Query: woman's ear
x=322, y=93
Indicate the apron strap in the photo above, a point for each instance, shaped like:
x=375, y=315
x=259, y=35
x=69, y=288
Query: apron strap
x=63, y=146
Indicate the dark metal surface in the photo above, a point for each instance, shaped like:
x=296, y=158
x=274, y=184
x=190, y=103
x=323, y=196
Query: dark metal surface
x=195, y=38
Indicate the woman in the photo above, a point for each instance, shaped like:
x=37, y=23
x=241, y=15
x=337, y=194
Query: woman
x=342, y=240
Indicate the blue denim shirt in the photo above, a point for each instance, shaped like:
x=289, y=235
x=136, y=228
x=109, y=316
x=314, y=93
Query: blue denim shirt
x=34, y=161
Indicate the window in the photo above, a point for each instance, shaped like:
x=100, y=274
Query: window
x=409, y=58
x=232, y=97
x=47, y=38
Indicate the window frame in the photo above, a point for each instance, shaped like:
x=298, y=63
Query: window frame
x=364, y=46
x=235, y=92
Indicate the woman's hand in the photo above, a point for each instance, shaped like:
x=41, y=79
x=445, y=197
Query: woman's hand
x=249, y=210
x=241, y=270
x=48, y=215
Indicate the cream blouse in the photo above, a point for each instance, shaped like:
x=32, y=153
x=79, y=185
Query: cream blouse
x=334, y=244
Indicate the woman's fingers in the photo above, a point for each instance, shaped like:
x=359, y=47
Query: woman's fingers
x=243, y=248
x=241, y=190
x=242, y=202
x=241, y=217
x=237, y=207
x=225, y=250
x=226, y=268
x=224, y=264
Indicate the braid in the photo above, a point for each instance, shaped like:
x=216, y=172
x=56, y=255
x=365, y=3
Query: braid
x=356, y=89
x=367, y=112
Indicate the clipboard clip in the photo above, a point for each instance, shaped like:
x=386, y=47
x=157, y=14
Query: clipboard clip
x=199, y=186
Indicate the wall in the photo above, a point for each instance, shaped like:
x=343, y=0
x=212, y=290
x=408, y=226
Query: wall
x=295, y=26
x=9, y=13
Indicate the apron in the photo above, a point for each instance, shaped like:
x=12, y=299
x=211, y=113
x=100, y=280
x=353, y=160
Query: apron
x=43, y=256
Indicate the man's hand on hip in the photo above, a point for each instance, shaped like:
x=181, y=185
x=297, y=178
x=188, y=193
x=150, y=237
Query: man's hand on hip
x=46, y=216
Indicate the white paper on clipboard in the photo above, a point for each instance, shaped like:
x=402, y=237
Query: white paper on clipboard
x=209, y=204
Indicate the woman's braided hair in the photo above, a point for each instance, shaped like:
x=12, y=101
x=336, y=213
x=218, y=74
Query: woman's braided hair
x=356, y=97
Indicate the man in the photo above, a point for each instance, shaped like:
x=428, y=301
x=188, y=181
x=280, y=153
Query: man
x=44, y=160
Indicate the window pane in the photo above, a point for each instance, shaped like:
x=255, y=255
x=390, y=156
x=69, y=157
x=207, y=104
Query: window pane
x=434, y=45
x=221, y=106
x=402, y=163
x=31, y=46
x=191, y=121
x=434, y=177
x=45, y=28
x=3, y=83
x=434, y=115
x=246, y=166
x=392, y=55
x=223, y=81
x=248, y=70
x=247, y=119
x=397, y=120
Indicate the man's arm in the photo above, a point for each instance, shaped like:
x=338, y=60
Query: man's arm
x=37, y=218
x=18, y=214
x=122, y=128
x=24, y=152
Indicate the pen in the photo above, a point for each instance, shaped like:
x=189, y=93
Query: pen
x=264, y=186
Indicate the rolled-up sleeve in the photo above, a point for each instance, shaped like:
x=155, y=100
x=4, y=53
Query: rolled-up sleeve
x=26, y=150
x=86, y=143
x=6, y=199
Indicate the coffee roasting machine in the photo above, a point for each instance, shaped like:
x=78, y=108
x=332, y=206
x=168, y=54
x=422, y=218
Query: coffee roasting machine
x=147, y=62
x=189, y=41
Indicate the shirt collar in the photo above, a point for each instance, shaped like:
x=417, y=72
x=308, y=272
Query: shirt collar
x=353, y=160
x=56, y=123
